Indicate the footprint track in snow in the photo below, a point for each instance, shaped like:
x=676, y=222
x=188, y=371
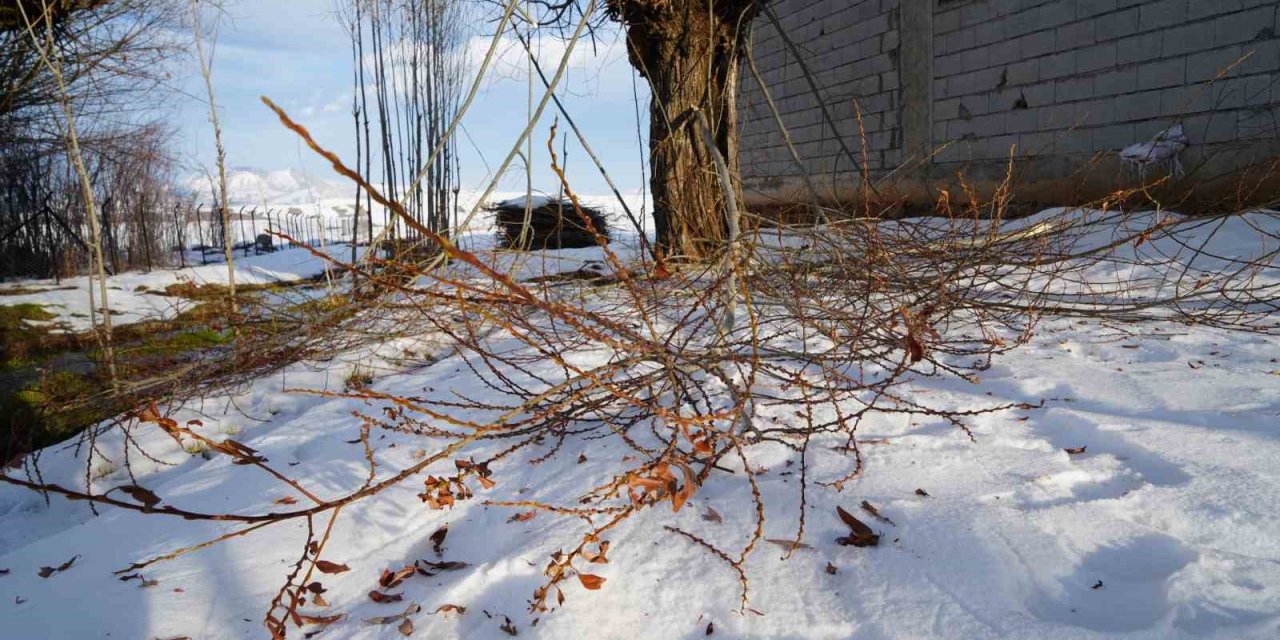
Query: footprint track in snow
x=1134, y=576
x=1075, y=486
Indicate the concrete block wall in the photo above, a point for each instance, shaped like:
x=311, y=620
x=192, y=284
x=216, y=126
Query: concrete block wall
x=1057, y=77
x=850, y=47
x=1055, y=82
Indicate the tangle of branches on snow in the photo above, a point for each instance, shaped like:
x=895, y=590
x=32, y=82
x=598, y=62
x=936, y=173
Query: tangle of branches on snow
x=794, y=336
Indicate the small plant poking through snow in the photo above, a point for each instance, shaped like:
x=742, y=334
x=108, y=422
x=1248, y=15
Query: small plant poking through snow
x=359, y=378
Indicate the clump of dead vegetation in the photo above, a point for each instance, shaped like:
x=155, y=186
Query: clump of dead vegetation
x=545, y=223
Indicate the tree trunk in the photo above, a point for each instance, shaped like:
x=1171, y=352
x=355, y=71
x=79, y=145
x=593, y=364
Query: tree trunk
x=689, y=53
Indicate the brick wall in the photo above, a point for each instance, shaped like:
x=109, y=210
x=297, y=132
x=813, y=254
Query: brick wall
x=1056, y=81
x=850, y=48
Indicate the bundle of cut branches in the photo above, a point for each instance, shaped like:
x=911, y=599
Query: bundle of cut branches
x=541, y=222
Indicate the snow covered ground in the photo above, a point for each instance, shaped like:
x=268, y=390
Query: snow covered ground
x=1166, y=526
x=134, y=296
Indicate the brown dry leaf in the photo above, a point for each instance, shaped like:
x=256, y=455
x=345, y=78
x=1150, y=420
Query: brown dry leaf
x=406, y=627
x=331, y=567
x=286, y=500
x=831, y=569
x=45, y=572
x=404, y=615
x=582, y=457
x=711, y=628
x=451, y=608
x=922, y=493
x=711, y=515
x=319, y=601
x=915, y=348
x=316, y=587
x=321, y=619
x=509, y=628
x=860, y=535
x=429, y=569
x=390, y=580
x=145, y=496
x=437, y=539
x=789, y=545
x=597, y=557
x=384, y=598
x=875, y=513
x=591, y=582
x=523, y=517
x=1075, y=451
x=678, y=498
x=486, y=482
x=660, y=271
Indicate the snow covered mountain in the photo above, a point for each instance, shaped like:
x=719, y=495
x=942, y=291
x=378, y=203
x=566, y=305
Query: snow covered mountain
x=254, y=186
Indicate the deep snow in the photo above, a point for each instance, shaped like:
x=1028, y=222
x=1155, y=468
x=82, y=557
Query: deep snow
x=1172, y=513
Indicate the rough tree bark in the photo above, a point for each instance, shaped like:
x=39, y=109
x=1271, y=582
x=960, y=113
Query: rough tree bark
x=689, y=52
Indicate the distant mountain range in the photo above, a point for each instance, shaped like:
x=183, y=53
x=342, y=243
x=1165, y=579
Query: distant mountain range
x=330, y=198
x=253, y=186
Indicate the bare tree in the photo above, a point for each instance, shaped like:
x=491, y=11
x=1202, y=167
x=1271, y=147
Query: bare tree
x=104, y=61
x=689, y=52
x=71, y=136
x=409, y=55
x=206, y=72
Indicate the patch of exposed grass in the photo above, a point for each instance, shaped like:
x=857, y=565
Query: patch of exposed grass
x=20, y=340
x=170, y=344
x=209, y=290
x=30, y=291
x=52, y=409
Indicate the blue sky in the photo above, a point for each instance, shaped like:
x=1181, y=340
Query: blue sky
x=297, y=53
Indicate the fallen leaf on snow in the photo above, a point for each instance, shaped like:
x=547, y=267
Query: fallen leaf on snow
x=860, y=535
x=789, y=545
x=390, y=580
x=508, y=628
x=1075, y=450
x=875, y=513
x=45, y=572
x=429, y=569
x=384, y=598
x=331, y=567
x=404, y=615
x=321, y=619
x=437, y=539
